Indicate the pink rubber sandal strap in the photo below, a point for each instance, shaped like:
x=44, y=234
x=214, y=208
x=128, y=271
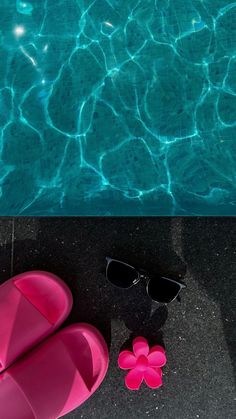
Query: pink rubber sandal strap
x=21, y=326
x=48, y=378
x=13, y=403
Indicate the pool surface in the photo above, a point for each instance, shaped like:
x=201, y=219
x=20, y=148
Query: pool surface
x=118, y=107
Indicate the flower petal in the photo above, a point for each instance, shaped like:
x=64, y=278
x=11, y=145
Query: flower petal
x=126, y=360
x=157, y=356
x=133, y=379
x=159, y=370
x=152, y=377
x=140, y=346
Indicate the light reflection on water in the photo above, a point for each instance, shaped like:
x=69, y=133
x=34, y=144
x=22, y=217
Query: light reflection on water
x=117, y=107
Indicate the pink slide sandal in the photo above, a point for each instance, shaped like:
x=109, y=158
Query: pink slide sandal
x=56, y=377
x=32, y=306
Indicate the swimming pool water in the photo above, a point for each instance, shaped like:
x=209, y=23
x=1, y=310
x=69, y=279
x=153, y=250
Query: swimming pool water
x=117, y=107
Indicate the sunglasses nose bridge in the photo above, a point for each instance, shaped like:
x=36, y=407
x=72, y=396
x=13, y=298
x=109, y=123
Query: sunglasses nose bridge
x=142, y=276
x=136, y=280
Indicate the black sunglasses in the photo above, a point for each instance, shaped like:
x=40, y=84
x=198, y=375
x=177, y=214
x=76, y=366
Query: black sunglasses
x=161, y=290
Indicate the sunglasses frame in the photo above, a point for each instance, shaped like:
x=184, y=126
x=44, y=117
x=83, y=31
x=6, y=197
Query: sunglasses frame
x=143, y=275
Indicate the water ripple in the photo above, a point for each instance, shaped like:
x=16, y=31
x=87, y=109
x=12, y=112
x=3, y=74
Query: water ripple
x=117, y=107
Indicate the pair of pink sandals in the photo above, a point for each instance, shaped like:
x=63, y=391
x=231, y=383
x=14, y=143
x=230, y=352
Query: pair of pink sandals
x=45, y=374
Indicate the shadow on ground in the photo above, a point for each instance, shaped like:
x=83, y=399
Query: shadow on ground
x=209, y=249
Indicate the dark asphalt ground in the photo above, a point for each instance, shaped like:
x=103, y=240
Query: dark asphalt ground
x=199, y=333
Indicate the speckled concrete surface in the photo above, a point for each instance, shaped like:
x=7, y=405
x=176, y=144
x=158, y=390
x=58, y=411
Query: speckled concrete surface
x=199, y=334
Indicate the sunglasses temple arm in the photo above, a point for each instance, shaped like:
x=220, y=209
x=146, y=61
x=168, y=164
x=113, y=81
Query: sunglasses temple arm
x=181, y=284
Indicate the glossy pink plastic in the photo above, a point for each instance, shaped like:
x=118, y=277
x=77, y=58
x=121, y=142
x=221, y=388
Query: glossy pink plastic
x=32, y=306
x=144, y=364
x=56, y=377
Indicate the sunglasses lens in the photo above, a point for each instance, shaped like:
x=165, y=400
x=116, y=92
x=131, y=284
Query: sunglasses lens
x=121, y=275
x=163, y=290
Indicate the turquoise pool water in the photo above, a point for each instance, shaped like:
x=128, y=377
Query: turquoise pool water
x=118, y=107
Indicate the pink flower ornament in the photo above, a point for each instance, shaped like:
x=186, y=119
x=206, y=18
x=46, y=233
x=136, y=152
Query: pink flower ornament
x=144, y=364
